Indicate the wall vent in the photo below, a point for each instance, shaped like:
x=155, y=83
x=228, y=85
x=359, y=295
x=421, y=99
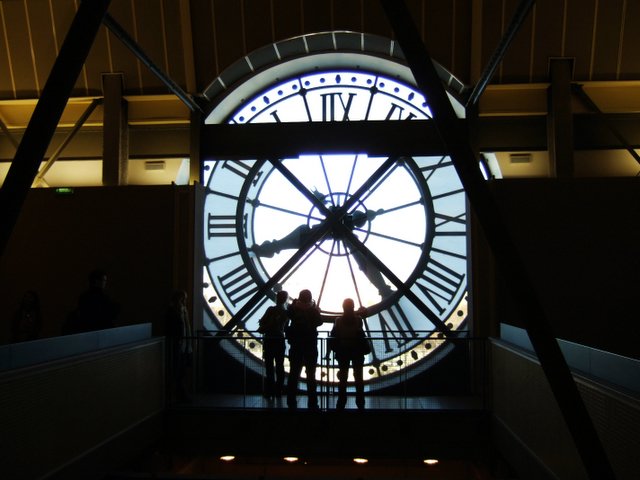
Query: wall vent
x=154, y=165
x=520, y=158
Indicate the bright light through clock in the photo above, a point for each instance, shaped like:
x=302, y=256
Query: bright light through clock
x=393, y=230
x=400, y=249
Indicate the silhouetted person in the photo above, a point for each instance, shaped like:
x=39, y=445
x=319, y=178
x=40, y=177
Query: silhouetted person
x=272, y=325
x=350, y=345
x=302, y=335
x=27, y=321
x=95, y=311
x=178, y=328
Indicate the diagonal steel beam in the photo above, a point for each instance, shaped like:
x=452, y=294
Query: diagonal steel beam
x=522, y=10
x=76, y=128
x=8, y=134
x=130, y=43
x=507, y=257
x=47, y=113
x=589, y=103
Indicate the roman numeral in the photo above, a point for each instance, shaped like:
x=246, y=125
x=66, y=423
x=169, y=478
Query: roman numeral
x=395, y=327
x=330, y=106
x=221, y=226
x=237, y=284
x=457, y=226
x=275, y=116
x=439, y=284
x=429, y=170
x=241, y=169
x=396, y=111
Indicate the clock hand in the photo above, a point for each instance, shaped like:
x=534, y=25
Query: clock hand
x=295, y=239
x=372, y=273
x=299, y=234
x=358, y=218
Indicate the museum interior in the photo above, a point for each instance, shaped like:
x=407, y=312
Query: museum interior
x=467, y=171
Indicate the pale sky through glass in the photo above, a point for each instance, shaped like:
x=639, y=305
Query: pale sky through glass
x=396, y=234
x=406, y=223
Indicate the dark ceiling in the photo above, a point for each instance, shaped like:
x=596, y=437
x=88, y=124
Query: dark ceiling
x=193, y=41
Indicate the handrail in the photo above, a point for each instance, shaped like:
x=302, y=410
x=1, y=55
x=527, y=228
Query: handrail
x=23, y=354
x=232, y=365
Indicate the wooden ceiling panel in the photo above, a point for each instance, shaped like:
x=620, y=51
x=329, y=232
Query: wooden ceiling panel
x=228, y=30
x=176, y=49
x=517, y=59
x=61, y=17
x=437, y=20
x=347, y=15
x=579, y=26
x=375, y=21
x=98, y=62
x=122, y=59
x=223, y=31
x=492, y=31
x=630, y=61
x=204, y=43
x=287, y=17
x=42, y=39
x=548, y=20
x=19, y=43
x=258, y=24
x=7, y=81
x=461, y=61
x=316, y=16
x=607, y=40
x=150, y=35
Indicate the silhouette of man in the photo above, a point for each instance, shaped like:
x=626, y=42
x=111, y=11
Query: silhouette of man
x=272, y=326
x=302, y=335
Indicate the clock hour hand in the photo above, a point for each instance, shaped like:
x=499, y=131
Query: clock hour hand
x=294, y=239
x=358, y=218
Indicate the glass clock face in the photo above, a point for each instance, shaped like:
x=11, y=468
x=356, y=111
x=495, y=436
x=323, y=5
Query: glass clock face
x=388, y=232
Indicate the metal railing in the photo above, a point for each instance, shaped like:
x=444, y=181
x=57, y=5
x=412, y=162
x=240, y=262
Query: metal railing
x=424, y=365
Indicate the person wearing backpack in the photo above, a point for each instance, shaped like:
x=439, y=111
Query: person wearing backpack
x=302, y=334
x=350, y=345
x=271, y=326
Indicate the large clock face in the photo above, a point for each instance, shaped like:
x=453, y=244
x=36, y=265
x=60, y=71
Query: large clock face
x=388, y=232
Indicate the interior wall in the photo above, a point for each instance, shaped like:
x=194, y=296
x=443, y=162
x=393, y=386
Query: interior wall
x=579, y=240
x=53, y=415
x=127, y=231
x=529, y=430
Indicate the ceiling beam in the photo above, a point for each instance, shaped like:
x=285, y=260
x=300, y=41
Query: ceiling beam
x=43, y=123
x=506, y=254
x=519, y=15
x=130, y=43
x=416, y=137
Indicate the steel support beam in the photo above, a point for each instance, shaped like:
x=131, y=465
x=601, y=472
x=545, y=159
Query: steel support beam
x=115, y=133
x=46, y=115
x=507, y=256
x=560, y=118
x=498, y=54
x=58, y=151
x=8, y=134
x=590, y=104
x=130, y=43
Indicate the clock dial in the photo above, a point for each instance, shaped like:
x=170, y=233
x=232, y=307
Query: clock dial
x=388, y=232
